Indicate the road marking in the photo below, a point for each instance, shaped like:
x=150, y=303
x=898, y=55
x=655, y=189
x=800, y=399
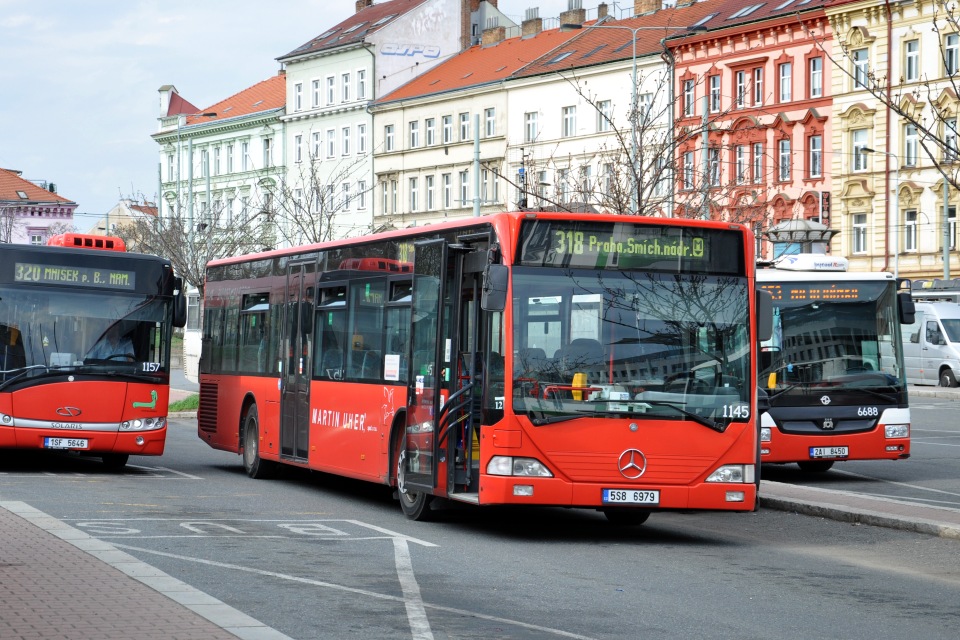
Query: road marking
x=364, y=592
x=416, y=614
x=168, y=470
x=933, y=444
x=894, y=482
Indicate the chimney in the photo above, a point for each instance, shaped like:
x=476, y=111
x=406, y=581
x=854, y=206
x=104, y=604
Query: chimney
x=603, y=10
x=363, y=4
x=492, y=36
x=532, y=24
x=641, y=7
x=575, y=13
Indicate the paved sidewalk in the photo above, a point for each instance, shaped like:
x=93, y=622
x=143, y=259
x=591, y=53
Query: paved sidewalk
x=58, y=583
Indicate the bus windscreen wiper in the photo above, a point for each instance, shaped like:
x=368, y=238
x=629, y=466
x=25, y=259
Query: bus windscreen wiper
x=710, y=424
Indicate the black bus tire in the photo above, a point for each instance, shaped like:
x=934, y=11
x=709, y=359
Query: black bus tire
x=255, y=467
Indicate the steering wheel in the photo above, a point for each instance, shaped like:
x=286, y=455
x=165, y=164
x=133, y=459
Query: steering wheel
x=116, y=356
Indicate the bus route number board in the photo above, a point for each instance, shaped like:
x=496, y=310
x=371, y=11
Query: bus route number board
x=631, y=496
x=65, y=443
x=829, y=452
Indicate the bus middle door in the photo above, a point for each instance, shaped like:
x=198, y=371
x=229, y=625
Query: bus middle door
x=297, y=339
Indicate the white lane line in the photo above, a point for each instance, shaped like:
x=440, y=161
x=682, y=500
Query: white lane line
x=168, y=470
x=363, y=592
x=933, y=444
x=416, y=615
x=899, y=484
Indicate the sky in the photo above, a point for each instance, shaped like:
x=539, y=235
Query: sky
x=79, y=80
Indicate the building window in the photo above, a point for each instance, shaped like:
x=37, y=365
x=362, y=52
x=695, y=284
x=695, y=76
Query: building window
x=861, y=68
x=563, y=185
x=910, y=230
x=345, y=87
x=447, y=181
x=447, y=129
x=912, y=60
x=230, y=158
x=388, y=140
x=688, y=97
x=315, y=100
x=758, y=86
x=362, y=84
x=331, y=90
x=741, y=163
x=361, y=194
x=489, y=122
x=816, y=77
x=569, y=122
x=413, y=194
x=170, y=167
x=393, y=195
x=464, y=188
x=714, y=94
x=414, y=135
x=714, y=165
x=298, y=148
x=331, y=143
x=298, y=97
x=951, y=51
x=361, y=138
x=816, y=156
x=644, y=106
x=36, y=238
x=464, y=127
x=952, y=227
x=267, y=152
x=430, y=126
x=604, y=115
x=216, y=161
x=859, y=144
x=688, y=182
x=345, y=190
x=860, y=233
x=911, y=145
x=741, y=89
x=244, y=156
x=785, y=78
x=429, y=185
x=530, y=126
x=783, y=160
x=345, y=141
x=758, y=162
x=950, y=140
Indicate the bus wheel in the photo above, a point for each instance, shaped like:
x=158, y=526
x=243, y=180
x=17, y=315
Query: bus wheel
x=947, y=379
x=415, y=505
x=626, y=517
x=114, y=461
x=815, y=466
x=252, y=464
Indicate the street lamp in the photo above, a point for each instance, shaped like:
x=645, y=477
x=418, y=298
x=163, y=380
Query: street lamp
x=896, y=210
x=633, y=98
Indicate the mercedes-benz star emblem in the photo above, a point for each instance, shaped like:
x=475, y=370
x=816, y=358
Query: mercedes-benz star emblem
x=824, y=400
x=68, y=412
x=632, y=464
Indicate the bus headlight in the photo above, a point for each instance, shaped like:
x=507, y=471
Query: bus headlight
x=509, y=466
x=764, y=434
x=897, y=430
x=739, y=473
x=143, y=424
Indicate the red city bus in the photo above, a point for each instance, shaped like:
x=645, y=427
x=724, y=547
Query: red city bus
x=591, y=361
x=833, y=383
x=85, y=334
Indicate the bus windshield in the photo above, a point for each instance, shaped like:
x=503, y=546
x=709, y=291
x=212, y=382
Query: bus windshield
x=81, y=331
x=638, y=344
x=829, y=336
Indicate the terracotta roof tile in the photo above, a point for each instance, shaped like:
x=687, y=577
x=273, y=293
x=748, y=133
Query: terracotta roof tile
x=263, y=96
x=11, y=184
x=480, y=65
x=355, y=28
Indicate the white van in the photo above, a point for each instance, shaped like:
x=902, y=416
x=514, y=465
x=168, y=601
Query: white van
x=931, y=345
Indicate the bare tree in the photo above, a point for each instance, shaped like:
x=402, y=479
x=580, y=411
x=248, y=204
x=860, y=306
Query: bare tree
x=9, y=223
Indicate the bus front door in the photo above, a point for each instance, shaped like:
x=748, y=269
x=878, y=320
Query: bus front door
x=431, y=357
x=297, y=341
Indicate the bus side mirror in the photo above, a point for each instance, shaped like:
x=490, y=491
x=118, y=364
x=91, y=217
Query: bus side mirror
x=764, y=315
x=179, y=305
x=494, y=296
x=906, y=309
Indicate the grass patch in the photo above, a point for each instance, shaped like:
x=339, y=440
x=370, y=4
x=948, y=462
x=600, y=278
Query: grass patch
x=190, y=403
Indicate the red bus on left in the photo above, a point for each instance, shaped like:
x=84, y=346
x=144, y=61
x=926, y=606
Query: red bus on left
x=85, y=331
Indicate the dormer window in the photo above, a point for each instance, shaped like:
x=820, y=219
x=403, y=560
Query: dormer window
x=22, y=195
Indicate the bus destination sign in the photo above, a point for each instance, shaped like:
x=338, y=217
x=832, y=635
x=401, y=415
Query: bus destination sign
x=602, y=245
x=803, y=292
x=74, y=276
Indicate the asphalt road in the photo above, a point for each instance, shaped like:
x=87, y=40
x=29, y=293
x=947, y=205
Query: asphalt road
x=316, y=556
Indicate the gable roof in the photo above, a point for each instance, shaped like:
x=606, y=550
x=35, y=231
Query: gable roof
x=728, y=13
x=268, y=95
x=480, y=65
x=12, y=185
x=357, y=27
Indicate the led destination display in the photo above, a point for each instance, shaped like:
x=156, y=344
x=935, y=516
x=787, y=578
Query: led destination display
x=74, y=276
